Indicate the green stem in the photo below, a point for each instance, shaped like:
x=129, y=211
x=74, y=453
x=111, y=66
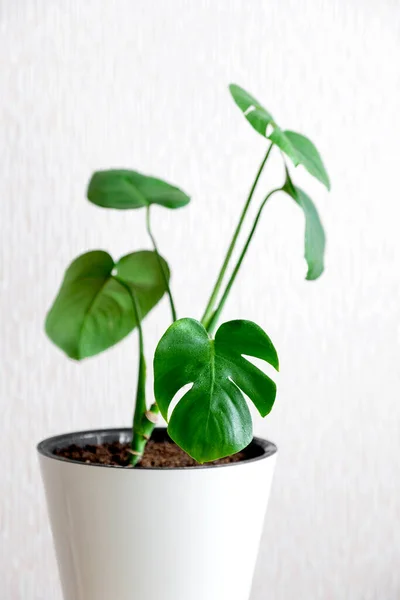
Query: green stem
x=208, y=313
x=220, y=306
x=143, y=420
x=160, y=264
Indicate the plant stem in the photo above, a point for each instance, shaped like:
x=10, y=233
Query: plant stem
x=160, y=263
x=142, y=432
x=208, y=313
x=143, y=420
x=217, y=312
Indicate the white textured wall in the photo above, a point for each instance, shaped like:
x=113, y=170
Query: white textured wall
x=100, y=83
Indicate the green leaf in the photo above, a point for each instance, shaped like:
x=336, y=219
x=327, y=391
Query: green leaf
x=258, y=117
x=301, y=151
x=212, y=419
x=92, y=310
x=123, y=189
x=314, y=248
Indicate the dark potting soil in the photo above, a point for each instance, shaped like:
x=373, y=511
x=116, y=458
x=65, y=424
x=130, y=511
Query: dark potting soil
x=163, y=454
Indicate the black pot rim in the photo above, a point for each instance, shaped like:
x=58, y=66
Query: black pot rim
x=259, y=447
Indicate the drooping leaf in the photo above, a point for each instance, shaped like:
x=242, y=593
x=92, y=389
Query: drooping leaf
x=314, y=247
x=93, y=310
x=258, y=117
x=124, y=189
x=301, y=151
x=212, y=419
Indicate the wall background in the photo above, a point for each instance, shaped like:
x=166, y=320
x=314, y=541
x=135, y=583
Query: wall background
x=141, y=83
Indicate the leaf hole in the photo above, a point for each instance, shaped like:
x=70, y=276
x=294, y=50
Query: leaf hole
x=263, y=366
x=250, y=109
x=178, y=396
x=114, y=272
x=269, y=130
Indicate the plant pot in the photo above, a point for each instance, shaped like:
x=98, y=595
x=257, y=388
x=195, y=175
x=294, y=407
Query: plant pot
x=155, y=534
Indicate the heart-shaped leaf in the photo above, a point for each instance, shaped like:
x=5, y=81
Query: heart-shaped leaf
x=258, y=117
x=301, y=151
x=314, y=248
x=124, y=189
x=93, y=310
x=212, y=419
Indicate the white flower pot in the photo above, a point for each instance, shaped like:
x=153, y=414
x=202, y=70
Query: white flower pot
x=155, y=534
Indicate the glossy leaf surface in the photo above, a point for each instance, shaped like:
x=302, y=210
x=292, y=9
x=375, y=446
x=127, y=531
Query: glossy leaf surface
x=212, y=419
x=124, y=189
x=314, y=246
x=93, y=310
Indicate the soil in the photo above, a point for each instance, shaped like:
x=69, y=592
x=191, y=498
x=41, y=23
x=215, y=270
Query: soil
x=164, y=454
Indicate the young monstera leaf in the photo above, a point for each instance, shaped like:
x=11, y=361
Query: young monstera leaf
x=314, y=247
x=258, y=117
x=212, y=419
x=93, y=310
x=301, y=151
x=124, y=189
x=297, y=147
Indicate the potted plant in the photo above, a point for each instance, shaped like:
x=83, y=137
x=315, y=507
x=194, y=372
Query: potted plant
x=169, y=514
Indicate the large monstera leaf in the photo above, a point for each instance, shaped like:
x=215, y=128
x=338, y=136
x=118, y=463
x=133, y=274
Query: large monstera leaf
x=94, y=309
x=124, y=189
x=212, y=419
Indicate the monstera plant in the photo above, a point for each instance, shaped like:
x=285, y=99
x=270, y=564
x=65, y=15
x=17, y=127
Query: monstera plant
x=101, y=301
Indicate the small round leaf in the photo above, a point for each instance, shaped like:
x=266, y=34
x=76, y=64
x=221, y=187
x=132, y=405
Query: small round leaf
x=124, y=189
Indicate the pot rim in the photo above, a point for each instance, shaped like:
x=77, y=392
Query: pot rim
x=46, y=447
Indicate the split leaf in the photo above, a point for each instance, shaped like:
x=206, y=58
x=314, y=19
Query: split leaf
x=212, y=419
x=258, y=117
